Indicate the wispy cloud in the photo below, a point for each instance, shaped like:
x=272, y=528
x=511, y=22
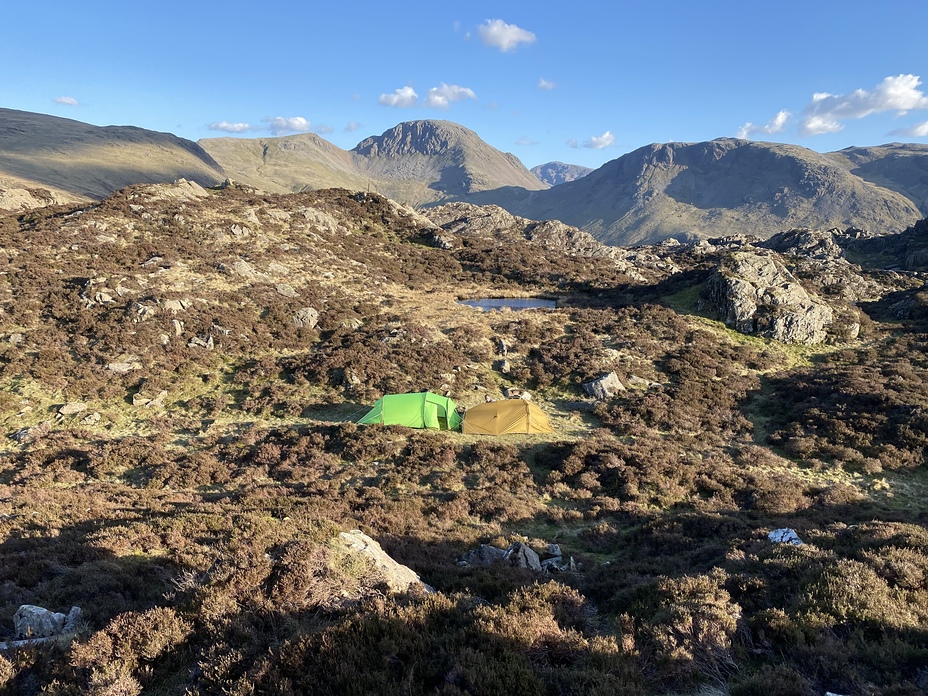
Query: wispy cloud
x=826, y=111
x=402, y=98
x=442, y=96
x=919, y=130
x=774, y=125
x=323, y=129
x=227, y=127
x=67, y=101
x=525, y=140
x=572, y=142
x=281, y=125
x=598, y=142
x=352, y=126
x=505, y=37
x=545, y=84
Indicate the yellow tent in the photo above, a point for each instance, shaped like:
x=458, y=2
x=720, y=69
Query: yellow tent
x=505, y=418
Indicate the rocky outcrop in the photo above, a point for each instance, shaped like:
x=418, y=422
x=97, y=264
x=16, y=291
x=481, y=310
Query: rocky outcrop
x=804, y=241
x=756, y=294
x=397, y=577
x=604, y=387
x=31, y=621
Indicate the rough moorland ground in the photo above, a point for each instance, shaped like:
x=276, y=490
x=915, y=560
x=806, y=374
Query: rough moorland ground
x=182, y=455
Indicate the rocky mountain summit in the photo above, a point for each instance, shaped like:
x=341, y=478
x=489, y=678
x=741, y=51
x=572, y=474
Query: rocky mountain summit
x=699, y=190
x=555, y=173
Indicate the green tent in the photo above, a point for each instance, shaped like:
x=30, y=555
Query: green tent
x=419, y=410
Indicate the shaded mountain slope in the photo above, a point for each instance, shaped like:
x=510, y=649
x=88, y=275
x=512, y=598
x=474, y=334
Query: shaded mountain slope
x=691, y=190
x=556, y=173
x=900, y=167
x=89, y=161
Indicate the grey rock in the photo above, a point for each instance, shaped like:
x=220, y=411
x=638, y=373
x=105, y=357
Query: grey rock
x=72, y=408
x=756, y=294
x=29, y=435
x=286, y=290
x=398, y=578
x=505, y=367
x=197, y=342
x=521, y=556
x=604, y=387
x=122, y=368
x=805, y=242
x=31, y=621
x=484, y=555
x=307, y=318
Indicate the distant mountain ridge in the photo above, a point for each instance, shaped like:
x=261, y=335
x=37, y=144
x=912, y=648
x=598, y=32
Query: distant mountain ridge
x=417, y=162
x=80, y=161
x=556, y=173
x=696, y=190
x=682, y=190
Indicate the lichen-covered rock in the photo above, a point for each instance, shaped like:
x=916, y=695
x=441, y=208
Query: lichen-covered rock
x=31, y=621
x=398, y=578
x=604, y=387
x=756, y=294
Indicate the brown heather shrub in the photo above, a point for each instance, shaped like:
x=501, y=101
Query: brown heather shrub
x=690, y=623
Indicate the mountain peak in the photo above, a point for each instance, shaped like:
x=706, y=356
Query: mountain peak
x=425, y=137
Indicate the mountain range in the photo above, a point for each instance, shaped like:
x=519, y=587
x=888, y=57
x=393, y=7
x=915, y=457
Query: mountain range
x=680, y=190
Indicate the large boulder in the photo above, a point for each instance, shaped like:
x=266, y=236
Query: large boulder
x=398, y=578
x=604, y=387
x=756, y=294
x=31, y=621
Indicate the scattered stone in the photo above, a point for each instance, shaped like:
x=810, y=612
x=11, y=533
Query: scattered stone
x=31, y=621
x=502, y=348
x=286, y=290
x=516, y=393
x=91, y=418
x=175, y=306
x=16, y=339
x=72, y=408
x=521, y=556
x=504, y=367
x=122, y=368
x=305, y=318
x=636, y=382
x=197, y=342
x=605, y=387
x=785, y=536
x=398, y=578
x=178, y=326
x=29, y=435
x=278, y=268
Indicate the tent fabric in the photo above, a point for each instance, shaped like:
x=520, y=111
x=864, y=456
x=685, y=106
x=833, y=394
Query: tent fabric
x=506, y=418
x=418, y=410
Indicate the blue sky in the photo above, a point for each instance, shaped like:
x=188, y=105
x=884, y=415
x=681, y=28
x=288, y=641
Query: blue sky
x=580, y=82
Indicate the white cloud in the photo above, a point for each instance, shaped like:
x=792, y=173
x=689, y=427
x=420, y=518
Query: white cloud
x=505, y=37
x=826, y=111
x=402, y=98
x=281, y=125
x=774, y=125
x=598, y=142
x=227, y=127
x=441, y=97
x=352, y=126
x=545, y=84
x=69, y=101
x=572, y=142
x=323, y=129
x=919, y=130
x=525, y=140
